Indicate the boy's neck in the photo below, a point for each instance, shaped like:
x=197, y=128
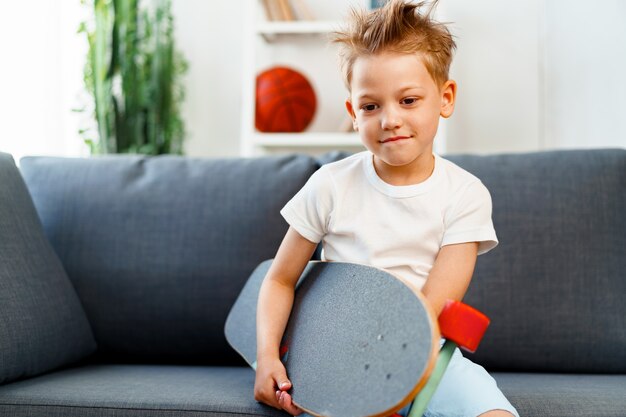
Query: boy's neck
x=411, y=174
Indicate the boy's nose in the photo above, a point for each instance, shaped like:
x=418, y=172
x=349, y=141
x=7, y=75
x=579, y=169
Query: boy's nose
x=391, y=120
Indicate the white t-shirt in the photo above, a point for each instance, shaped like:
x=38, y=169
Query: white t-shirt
x=361, y=219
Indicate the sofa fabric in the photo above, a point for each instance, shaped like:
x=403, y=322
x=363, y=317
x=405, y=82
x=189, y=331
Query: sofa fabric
x=197, y=391
x=137, y=391
x=565, y=395
x=159, y=248
x=555, y=285
x=42, y=322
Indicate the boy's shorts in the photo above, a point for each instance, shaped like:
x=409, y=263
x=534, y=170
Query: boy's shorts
x=466, y=390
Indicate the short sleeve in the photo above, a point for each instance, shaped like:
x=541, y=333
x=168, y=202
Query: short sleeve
x=309, y=211
x=469, y=220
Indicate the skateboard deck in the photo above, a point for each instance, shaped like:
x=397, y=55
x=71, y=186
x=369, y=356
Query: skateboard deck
x=359, y=341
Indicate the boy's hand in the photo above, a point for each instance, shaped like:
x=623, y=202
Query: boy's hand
x=271, y=385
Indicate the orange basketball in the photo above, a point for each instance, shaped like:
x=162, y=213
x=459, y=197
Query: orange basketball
x=285, y=101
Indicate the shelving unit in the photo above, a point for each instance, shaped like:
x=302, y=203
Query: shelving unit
x=296, y=27
x=304, y=46
x=306, y=140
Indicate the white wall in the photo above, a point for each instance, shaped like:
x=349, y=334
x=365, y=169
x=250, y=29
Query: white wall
x=208, y=34
x=537, y=74
x=497, y=70
x=40, y=78
x=585, y=76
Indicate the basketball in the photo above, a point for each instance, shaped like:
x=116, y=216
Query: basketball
x=285, y=101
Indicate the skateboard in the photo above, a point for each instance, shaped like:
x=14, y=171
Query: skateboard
x=359, y=342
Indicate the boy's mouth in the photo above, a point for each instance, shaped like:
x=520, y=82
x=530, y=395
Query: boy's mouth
x=394, y=139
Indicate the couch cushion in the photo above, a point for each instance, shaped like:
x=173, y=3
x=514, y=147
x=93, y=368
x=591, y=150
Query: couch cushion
x=158, y=248
x=42, y=323
x=145, y=390
x=554, y=287
x=565, y=395
x=136, y=390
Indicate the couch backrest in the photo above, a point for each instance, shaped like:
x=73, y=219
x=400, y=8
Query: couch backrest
x=555, y=287
x=158, y=248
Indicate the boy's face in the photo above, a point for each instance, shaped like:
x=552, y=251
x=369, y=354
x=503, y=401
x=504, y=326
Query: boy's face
x=395, y=105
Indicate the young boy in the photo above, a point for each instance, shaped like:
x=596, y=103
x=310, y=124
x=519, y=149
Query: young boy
x=396, y=206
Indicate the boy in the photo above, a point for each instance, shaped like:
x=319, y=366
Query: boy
x=396, y=206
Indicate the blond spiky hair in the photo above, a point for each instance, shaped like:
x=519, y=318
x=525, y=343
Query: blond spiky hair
x=398, y=26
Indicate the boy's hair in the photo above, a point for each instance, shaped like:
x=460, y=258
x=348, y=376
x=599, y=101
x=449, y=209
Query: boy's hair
x=398, y=26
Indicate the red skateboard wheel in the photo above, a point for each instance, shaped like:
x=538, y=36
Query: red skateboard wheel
x=283, y=350
x=463, y=325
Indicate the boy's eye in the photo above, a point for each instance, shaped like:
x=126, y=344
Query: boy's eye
x=409, y=100
x=369, y=107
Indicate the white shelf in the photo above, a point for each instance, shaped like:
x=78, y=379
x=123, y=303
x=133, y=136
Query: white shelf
x=303, y=44
x=309, y=139
x=297, y=27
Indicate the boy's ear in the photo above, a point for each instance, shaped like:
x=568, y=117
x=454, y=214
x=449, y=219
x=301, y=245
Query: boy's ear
x=352, y=114
x=448, y=96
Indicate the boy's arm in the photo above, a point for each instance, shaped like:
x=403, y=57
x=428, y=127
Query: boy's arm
x=273, y=310
x=451, y=274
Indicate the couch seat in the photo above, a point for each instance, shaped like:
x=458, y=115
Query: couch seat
x=135, y=390
x=198, y=391
x=564, y=395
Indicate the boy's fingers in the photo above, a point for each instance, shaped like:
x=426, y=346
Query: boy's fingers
x=284, y=385
x=282, y=382
x=287, y=405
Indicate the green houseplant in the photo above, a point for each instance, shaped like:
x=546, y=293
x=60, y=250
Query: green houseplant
x=133, y=73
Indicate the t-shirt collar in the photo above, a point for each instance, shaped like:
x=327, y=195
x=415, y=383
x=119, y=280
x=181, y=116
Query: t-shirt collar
x=398, y=191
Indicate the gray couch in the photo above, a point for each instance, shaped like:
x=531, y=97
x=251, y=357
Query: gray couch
x=117, y=274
